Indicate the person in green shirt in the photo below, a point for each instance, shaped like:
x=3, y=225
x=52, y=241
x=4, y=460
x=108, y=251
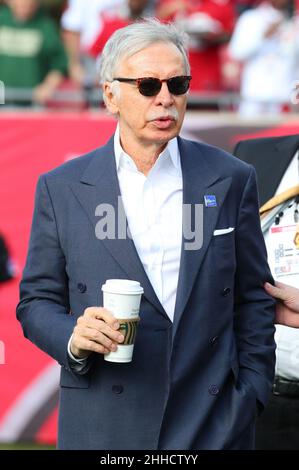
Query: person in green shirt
x=31, y=52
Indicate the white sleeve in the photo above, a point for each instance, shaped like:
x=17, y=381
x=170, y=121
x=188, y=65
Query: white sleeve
x=73, y=17
x=247, y=38
x=78, y=365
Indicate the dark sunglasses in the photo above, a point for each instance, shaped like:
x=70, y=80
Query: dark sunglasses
x=150, y=86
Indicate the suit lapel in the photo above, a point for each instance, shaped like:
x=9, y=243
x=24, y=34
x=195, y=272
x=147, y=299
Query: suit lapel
x=99, y=185
x=199, y=179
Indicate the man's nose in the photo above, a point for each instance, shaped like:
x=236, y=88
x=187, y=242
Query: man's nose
x=164, y=97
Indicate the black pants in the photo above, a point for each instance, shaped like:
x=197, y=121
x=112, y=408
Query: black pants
x=278, y=425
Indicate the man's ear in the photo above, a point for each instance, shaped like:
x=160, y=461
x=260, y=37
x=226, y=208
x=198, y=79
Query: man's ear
x=110, y=97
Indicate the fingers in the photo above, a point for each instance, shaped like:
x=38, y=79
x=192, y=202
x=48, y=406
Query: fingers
x=80, y=347
x=96, y=336
x=101, y=320
x=275, y=291
x=96, y=330
x=101, y=327
x=101, y=313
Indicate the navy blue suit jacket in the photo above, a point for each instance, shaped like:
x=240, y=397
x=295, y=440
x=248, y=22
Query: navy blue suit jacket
x=193, y=383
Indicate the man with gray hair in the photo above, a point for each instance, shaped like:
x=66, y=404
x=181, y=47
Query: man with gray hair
x=204, y=354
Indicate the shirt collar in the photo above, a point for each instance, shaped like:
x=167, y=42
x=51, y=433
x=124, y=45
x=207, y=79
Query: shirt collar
x=170, y=153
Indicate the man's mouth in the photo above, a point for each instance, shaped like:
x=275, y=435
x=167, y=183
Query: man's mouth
x=163, y=122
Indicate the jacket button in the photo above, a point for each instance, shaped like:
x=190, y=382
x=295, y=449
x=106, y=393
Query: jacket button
x=226, y=291
x=214, y=341
x=81, y=287
x=213, y=390
x=117, y=389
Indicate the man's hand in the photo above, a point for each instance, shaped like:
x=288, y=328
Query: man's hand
x=96, y=331
x=42, y=93
x=77, y=73
x=272, y=29
x=45, y=90
x=287, y=309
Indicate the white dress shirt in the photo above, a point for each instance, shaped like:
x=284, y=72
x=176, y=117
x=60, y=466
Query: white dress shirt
x=153, y=207
x=287, y=339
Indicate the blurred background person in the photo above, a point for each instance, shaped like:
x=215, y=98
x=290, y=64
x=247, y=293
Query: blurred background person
x=88, y=25
x=55, y=8
x=209, y=24
x=130, y=11
x=266, y=41
x=243, y=5
x=6, y=266
x=276, y=162
x=81, y=24
x=31, y=52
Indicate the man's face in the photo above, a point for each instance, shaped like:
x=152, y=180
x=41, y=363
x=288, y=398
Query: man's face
x=281, y=4
x=136, y=7
x=23, y=10
x=148, y=120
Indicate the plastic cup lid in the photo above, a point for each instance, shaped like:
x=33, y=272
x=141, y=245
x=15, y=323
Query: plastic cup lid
x=122, y=286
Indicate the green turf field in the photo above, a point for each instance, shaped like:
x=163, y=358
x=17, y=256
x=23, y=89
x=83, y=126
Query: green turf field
x=25, y=446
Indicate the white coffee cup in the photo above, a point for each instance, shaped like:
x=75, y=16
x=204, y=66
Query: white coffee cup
x=122, y=298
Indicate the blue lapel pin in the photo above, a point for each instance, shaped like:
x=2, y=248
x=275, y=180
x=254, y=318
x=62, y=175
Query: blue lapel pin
x=210, y=200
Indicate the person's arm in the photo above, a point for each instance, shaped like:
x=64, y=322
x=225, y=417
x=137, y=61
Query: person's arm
x=287, y=307
x=55, y=64
x=254, y=308
x=248, y=37
x=44, y=307
x=72, y=24
x=224, y=17
x=45, y=91
x=71, y=41
x=167, y=10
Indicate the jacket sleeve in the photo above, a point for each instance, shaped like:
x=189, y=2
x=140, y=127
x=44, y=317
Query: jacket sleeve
x=254, y=308
x=43, y=309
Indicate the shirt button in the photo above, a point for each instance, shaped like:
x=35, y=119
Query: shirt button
x=117, y=389
x=214, y=341
x=81, y=287
x=213, y=390
x=226, y=292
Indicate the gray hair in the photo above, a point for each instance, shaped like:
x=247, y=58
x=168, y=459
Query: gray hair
x=131, y=39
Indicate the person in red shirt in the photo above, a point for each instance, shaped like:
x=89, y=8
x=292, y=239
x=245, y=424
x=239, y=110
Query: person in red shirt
x=209, y=24
x=119, y=18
